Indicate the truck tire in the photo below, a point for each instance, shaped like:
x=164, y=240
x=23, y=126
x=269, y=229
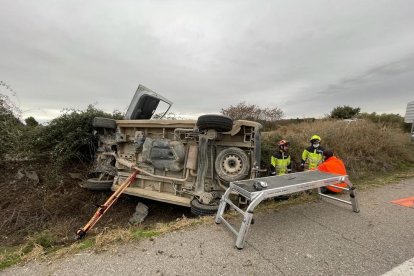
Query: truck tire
x=232, y=164
x=199, y=209
x=219, y=123
x=100, y=122
x=94, y=184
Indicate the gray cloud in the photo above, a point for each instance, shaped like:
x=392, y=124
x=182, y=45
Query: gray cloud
x=382, y=89
x=304, y=57
x=377, y=73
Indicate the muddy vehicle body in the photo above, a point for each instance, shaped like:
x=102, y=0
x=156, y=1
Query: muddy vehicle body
x=182, y=162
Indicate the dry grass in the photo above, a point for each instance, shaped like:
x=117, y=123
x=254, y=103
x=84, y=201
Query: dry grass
x=365, y=147
x=382, y=179
x=111, y=236
x=183, y=223
x=40, y=246
x=56, y=203
x=374, y=156
x=295, y=199
x=107, y=239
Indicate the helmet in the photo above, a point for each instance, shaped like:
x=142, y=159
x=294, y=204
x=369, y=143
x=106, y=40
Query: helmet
x=283, y=143
x=315, y=138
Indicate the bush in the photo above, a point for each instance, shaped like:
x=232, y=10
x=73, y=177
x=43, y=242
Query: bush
x=69, y=137
x=10, y=127
x=31, y=122
x=389, y=120
x=344, y=112
x=364, y=146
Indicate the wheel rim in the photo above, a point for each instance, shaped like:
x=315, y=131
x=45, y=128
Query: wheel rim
x=232, y=164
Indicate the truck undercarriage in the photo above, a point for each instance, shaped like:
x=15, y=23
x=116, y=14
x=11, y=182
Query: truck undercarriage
x=183, y=162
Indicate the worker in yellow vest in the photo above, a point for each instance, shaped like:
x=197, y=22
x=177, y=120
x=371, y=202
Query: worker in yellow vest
x=312, y=156
x=280, y=162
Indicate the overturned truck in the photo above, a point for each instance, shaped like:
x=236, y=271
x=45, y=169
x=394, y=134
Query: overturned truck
x=182, y=162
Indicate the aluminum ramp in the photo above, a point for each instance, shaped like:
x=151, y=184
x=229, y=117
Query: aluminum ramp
x=272, y=186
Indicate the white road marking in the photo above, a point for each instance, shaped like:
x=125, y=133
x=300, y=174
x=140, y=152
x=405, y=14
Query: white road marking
x=406, y=268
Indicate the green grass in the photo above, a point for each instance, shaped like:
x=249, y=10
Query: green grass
x=86, y=244
x=138, y=234
x=9, y=261
x=9, y=256
x=45, y=238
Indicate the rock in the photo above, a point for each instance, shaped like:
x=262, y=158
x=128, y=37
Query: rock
x=76, y=176
x=141, y=212
x=19, y=174
x=32, y=175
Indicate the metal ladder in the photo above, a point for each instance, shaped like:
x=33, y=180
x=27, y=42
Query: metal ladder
x=259, y=189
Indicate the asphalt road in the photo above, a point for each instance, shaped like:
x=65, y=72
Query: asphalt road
x=321, y=238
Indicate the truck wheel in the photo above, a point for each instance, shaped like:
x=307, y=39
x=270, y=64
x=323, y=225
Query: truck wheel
x=199, y=209
x=232, y=164
x=100, y=122
x=217, y=122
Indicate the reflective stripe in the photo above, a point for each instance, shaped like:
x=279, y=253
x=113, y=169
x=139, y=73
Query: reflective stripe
x=273, y=161
x=281, y=165
x=313, y=159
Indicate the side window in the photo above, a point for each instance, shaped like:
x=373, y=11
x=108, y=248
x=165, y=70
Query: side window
x=161, y=110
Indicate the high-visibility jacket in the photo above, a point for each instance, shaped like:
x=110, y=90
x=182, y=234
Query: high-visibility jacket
x=334, y=165
x=312, y=156
x=280, y=163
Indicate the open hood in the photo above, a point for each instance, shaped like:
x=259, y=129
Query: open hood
x=144, y=103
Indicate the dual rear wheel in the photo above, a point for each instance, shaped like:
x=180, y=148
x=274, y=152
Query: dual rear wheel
x=231, y=163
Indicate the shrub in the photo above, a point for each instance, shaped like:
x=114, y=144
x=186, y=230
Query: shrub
x=389, y=120
x=344, y=112
x=45, y=239
x=10, y=126
x=31, y=122
x=69, y=137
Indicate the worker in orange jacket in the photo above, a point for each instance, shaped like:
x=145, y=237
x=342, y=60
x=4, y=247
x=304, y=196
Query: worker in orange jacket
x=332, y=164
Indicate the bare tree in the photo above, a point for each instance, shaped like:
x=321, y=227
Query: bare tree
x=243, y=111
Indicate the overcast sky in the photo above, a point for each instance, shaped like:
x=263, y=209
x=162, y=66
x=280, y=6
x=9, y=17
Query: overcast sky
x=305, y=57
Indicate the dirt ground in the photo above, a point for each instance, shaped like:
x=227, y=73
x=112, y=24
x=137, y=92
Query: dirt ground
x=57, y=204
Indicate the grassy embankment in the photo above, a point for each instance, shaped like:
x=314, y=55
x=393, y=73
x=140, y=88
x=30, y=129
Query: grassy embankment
x=374, y=155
